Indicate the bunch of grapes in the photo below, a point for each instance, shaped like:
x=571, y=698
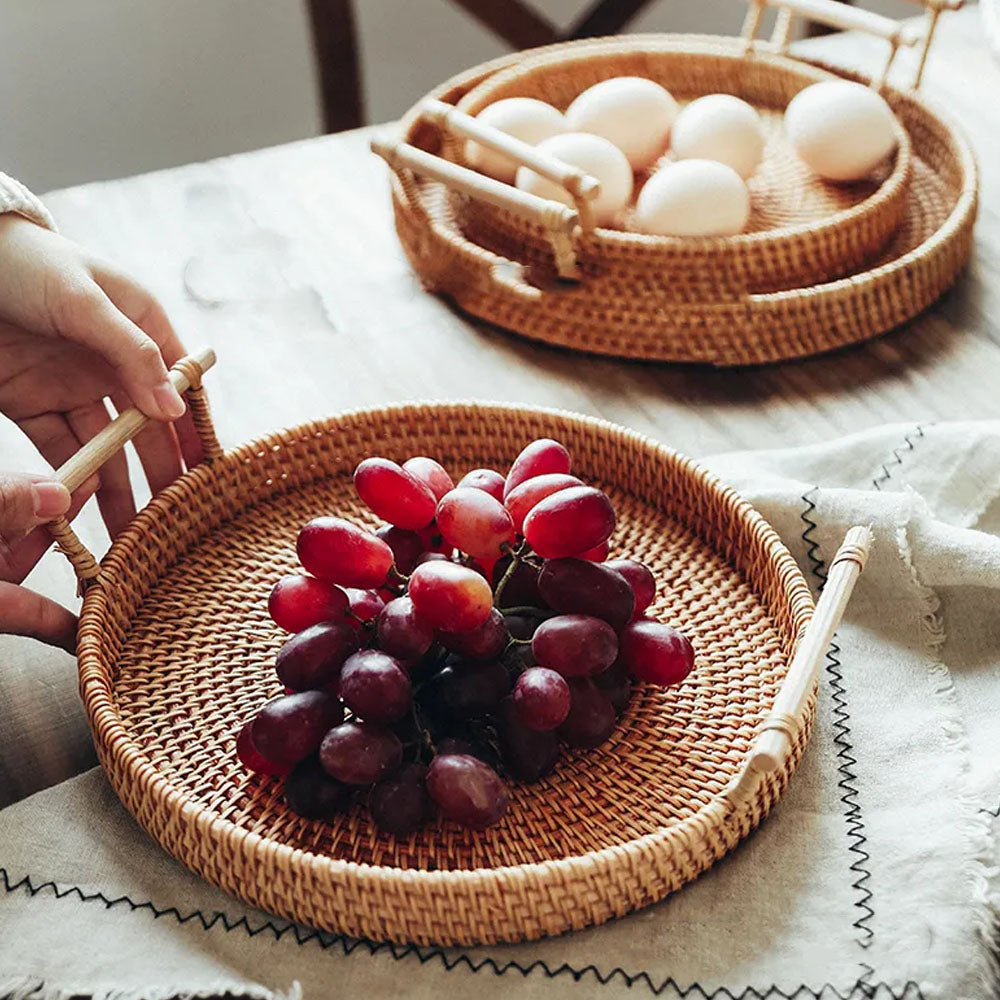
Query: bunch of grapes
x=463, y=643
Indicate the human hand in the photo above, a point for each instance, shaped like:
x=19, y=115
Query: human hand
x=74, y=331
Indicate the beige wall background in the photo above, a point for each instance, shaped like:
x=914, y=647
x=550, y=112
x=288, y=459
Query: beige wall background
x=95, y=89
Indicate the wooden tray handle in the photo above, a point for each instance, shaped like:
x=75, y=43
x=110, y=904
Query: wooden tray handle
x=774, y=741
x=558, y=220
x=845, y=17
x=186, y=378
x=581, y=187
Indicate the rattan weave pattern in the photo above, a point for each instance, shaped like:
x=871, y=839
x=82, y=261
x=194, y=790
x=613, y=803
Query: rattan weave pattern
x=631, y=314
x=175, y=649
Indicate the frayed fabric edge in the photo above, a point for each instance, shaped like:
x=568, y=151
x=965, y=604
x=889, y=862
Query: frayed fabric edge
x=34, y=988
x=981, y=869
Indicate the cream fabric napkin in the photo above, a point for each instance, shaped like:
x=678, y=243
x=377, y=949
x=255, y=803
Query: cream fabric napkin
x=875, y=876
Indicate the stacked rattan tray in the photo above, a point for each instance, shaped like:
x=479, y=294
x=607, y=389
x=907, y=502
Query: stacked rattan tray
x=176, y=651
x=822, y=265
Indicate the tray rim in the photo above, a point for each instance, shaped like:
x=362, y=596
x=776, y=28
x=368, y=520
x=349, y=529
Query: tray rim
x=115, y=742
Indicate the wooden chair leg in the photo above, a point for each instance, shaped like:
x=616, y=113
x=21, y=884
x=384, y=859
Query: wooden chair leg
x=335, y=39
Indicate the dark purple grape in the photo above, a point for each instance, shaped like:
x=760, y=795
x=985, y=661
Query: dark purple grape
x=656, y=653
x=576, y=586
x=375, y=686
x=484, y=643
x=616, y=684
x=541, y=698
x=401, y=631
x=640, y=578
x=359, y=753
x=291, y=727
x=312, y=793
x=252, y=759
x=521, y=590
x=467, y=790
x=526, y=754
x=460, y=745
x=407, y=547
x=313, y=658
x=523, y=626
x=469, y=690
x=575, y=645
x=400, y=802
x=591, y=715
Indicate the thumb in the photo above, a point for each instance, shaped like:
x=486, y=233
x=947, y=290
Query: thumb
x=27, y=501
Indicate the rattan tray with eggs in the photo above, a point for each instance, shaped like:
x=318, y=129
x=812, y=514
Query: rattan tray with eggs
x=687, y=198
x=177, y=654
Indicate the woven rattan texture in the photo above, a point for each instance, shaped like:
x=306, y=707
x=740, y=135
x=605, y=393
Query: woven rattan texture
x=176, y=651
x=805, y=229
x=637, y=313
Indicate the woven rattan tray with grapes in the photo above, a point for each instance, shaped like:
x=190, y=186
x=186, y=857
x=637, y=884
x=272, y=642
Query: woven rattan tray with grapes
x=176, y=653
x=819, y=265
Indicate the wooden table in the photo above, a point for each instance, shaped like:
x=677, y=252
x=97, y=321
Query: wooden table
x=286, y=261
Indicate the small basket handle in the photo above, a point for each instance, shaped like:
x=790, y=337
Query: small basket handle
x=186, y=377
x=836, y=14
x=557, y=220
x=776, y=737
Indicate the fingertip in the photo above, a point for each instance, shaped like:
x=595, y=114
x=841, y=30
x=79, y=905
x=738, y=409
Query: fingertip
x=168, y=401
x=50, y=499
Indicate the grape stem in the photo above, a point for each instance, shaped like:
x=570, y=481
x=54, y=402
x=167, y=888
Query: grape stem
x=516, y=556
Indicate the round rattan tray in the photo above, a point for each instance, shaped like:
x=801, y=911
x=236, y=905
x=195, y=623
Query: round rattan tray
x=801, y=230
x=176, y=650
x=636, y=316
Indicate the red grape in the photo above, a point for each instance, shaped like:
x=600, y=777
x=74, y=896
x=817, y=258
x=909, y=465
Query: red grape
x=407, y=547
x=431, y=474
x=394, y=494
x=520, y=500
x=541, y=698
x=575, y=645
x=450, y=597
x=291, y=727
x=375, y=686
x=575, y=586
x=252, y=758
x=432, y=540
x=539, y=458
x=471, y=690
x=365, y=604
x=431, y=557
x=526, y=754
x=656, y=653
x=312, y=793
x=640, y=579
x=296, y=602
x=483, y=643
x=591, y=715
x=616, y=684
x=400, y=803
x=521, y=588
x=597, y=554
x=467, y=790
x=488, y=480
x=570, y=521
x=313, y=657
x=336, y=550
x=401, y=631
x=359, y=753
x=474, y=522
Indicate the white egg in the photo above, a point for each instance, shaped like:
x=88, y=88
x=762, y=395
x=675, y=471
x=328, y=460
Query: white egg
x=693, y=198
x=524, y=118
x=632, y=112
x=719, y=127
x=595, y=156
x=842, y=130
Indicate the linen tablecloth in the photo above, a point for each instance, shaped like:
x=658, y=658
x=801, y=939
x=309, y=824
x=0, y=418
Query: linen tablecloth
x=875, y=876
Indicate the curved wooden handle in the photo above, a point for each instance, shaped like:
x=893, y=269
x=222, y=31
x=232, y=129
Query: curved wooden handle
x=774, y=741
x=581, y=187
x=78, y=469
